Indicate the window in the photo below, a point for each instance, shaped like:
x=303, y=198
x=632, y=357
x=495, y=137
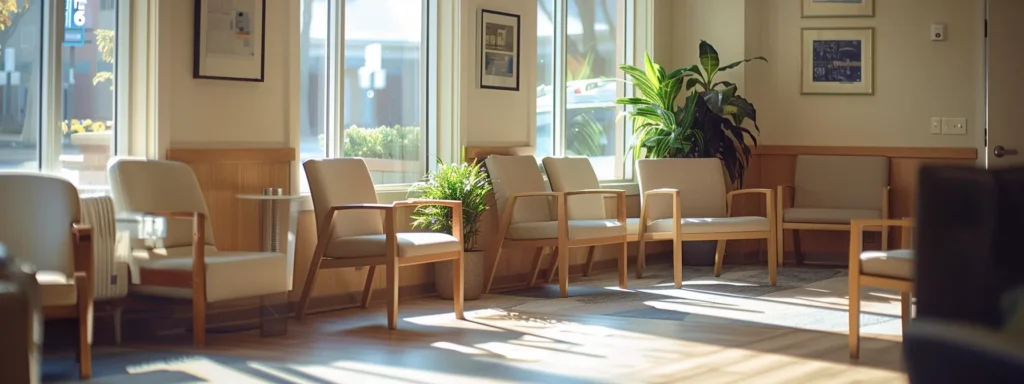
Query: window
x=66, y=124
x=371, y=103
x=590, y=36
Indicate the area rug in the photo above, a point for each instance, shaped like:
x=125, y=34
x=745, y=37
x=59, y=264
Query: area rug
x=804, y=297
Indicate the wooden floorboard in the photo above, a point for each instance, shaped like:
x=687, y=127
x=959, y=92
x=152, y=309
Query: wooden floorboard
x=497, y=346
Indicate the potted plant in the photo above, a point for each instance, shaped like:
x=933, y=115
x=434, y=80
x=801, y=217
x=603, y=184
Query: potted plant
x=465, y=182
x=708, y=124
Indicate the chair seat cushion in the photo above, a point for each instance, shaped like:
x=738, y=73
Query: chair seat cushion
x=410, y=244
x=229, y=275
x=578, y=230
x=897, y=263
x=55, y=288
x=713, y=225
x=828, y=215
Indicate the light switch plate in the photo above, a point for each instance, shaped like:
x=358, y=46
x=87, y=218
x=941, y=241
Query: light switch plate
x=954, y=126
x=936, y=127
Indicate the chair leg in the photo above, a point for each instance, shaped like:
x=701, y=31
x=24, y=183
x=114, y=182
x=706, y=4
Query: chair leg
x=773, y=260
x=199, y=323
x=885, y=238
x=590, y=261
x=780, y=249
x=494, y=269
x=641, y=258
x=307, y=288
x=854, y=316
x=458, y=286
x=624, y=266
x=553, y=265
x=118, y=311
x=85, y=337
x=677, y=263
x=563, y=270
x=719, y=257
x=537, y=258
x=392, y=273
x=797, y=253
x=906, y=305
x=368, y=287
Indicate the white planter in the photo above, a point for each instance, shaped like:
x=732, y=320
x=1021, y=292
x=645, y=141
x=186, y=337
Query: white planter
x=92, y=139
x=473, y=276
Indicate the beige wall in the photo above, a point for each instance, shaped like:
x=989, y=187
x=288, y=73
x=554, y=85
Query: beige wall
x=915, y=78
x=218, y=113
x=497, y=117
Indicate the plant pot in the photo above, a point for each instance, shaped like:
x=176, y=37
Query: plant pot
x=473, y=276
x=699, y=253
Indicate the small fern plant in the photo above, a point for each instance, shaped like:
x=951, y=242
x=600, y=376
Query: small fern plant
x=465, y=182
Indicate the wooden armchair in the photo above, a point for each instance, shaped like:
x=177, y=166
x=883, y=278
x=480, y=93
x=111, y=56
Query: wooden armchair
x=350, y=233
x=527, y=220
x=893, y=269
x=686, y=200
x=186, y=264
x=828, y=192
x=41, y=225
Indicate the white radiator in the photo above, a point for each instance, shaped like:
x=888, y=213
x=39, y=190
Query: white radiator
x=111, y=273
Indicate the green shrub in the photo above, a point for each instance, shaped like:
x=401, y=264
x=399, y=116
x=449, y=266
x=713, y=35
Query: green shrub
x=396, y=143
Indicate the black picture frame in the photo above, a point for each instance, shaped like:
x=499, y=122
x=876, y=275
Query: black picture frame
x=200, y=68
x=492, y=50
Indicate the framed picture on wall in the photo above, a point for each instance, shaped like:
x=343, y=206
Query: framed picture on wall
x=838, y=61
x=838, y=8
x=229, y=38
x=499, y=50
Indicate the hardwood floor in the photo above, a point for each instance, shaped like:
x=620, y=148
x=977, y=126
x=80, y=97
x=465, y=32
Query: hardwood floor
x=494, y=346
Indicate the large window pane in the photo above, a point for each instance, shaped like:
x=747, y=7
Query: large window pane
x=87, y=69
x=313, y=62
x=383, y=92
x=21, y=42
x=592, y=58
x=545, y=78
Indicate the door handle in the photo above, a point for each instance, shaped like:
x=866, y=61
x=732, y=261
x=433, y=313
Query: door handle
x=1000, y=151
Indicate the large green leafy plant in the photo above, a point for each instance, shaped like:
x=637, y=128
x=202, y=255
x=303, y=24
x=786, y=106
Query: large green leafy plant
x=465, y=182
x=708, y=124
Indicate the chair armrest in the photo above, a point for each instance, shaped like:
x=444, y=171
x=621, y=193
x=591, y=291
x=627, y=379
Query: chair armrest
x=676, y=205
x=82, y=233
x=858, y=225
x=455, y=205
x=347, y=207
x=173, y=214
x=769, y=211
x=662, y=191
x=84, y=262
x=620, y=200
x=506, y=214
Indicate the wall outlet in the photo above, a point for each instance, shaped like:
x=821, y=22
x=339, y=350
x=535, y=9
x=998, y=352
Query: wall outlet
x=954, y=126
x=936, y=127
x=938, y=32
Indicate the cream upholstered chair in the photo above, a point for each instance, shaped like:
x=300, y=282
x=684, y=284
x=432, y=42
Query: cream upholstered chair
x=576, y=175
x=529, y=220
x=351, y=233
x=686, y=200
x=41, y=224
x=892, y=269
x=187, y=264
x=828, y=192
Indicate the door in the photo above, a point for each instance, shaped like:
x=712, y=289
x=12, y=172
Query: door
x=1005, y=145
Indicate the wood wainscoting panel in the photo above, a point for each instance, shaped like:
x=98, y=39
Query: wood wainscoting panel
x=224, y=173
x=772, y=166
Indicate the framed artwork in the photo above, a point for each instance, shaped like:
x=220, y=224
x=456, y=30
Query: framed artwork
x=838, y=8
x=229, y=38
x=499, y=50
x=837, y=61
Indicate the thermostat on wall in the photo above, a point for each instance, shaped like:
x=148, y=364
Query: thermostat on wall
x=938, y=32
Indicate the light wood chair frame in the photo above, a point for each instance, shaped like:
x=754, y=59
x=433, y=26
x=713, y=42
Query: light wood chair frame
x=858, y=279
x=85, y=272
x=796, y=227
x=678, y=237
x=562, y=244
x=390, y=260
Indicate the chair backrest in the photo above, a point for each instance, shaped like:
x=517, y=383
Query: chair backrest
x=567, y=174
x=36, y=214
x=701, y=183
x=519, y=174
x=840, y=182
x=140, y=186
x=343, y=181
